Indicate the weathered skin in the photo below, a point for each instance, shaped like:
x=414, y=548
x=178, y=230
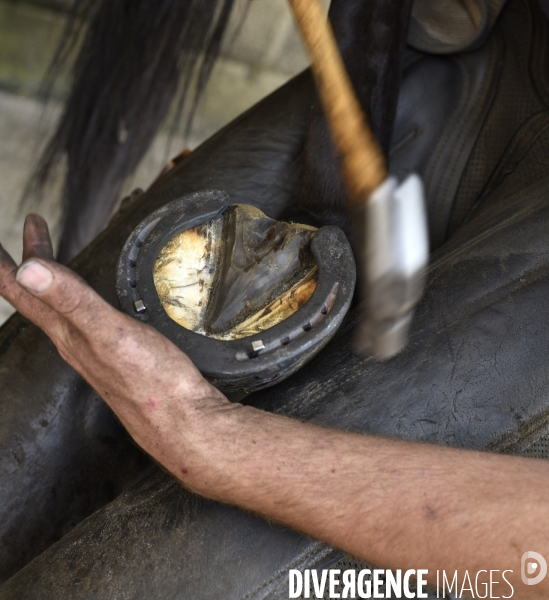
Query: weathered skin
x=278, y=467
x=63, y=454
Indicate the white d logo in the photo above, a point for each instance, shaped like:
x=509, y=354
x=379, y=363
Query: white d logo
x=533, y=564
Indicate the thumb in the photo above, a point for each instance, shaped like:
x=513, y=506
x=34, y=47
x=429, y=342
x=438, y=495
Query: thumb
x=34, y=276
x=63, y=291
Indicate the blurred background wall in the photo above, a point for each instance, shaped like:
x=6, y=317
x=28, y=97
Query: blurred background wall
x=262, y=51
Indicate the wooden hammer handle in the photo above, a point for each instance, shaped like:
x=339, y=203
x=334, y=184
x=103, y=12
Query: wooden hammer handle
x=362, y=161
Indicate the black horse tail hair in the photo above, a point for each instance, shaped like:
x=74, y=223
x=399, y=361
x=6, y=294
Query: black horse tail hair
x=136, y=57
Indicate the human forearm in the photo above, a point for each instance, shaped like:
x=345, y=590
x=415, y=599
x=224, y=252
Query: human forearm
x=396, y=504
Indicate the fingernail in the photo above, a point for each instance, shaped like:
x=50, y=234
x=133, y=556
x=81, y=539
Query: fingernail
x=34, y=276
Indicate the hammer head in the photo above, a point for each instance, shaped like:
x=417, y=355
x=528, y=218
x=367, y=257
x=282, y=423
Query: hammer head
x=392, y=251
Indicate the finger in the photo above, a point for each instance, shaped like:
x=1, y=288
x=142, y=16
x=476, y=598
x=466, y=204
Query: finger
x=19, y=298
x=36, y=239
x=93, y=321
x=66, y=293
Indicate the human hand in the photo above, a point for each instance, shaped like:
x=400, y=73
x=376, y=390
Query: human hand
x=150, y=384
x=364, y=494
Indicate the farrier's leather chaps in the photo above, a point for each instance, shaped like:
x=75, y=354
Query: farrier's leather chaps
x=475, y=373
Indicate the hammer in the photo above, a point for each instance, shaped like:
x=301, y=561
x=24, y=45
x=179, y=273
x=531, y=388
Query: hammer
x=390, y=237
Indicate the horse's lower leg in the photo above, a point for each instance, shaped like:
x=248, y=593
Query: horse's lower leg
x=371, y=35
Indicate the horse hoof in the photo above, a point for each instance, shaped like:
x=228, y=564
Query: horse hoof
x=249, y=299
